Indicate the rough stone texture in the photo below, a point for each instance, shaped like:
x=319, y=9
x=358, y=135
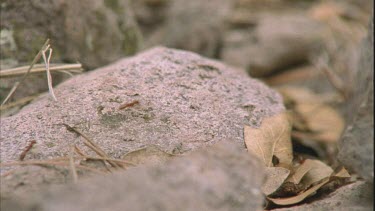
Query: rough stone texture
x=271, y=43
x=92, y=32
x=194, y=26
x=28, y=179
x=224, y=177
x=357, y=144
x=185, y=102
x=150, y=14
x=354, y=197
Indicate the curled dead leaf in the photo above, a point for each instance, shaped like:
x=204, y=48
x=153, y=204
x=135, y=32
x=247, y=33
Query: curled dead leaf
x=271, y=140
x=301, y=196
x=300, y=171
x=318, y=171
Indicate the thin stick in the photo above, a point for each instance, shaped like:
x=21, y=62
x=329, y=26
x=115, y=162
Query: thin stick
x=88, y=142
x=72, y=166
x=36, y=58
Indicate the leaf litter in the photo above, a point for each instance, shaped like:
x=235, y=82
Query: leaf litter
x=288, y=179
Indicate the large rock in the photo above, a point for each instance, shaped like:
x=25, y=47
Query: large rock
x=94, y=33
x=271, y=43
x=91, y=32
x=224, y=177
x=194, y=26
x=185, y=102
x=357, y=144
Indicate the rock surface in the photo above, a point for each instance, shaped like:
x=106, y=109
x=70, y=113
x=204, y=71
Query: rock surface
x=194, y=26
x=92, y=32
x=223, y=177
x=354, y=197
x=185, y=102
x=271, y=43
x=357, y=144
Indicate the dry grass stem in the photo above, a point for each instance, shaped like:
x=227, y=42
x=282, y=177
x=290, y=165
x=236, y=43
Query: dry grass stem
x=38, y=68
x=110, y=159
x=89, y=143
x=19, y=102
x=79, y=151
x=36, y=58
x=47, y=163
x=72, y=167
x=49, y=77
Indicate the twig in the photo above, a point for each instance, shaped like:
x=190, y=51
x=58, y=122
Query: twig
x=36, y=58
x=27, y=149
x=72, y=166
x=49, y=77
x=89, y=143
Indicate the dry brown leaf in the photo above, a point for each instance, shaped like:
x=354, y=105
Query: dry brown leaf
x=323, y=120
x=318, y=171
x=343, y=173
x=150, y=155
x=298, y=94
x=275, y=177
x=300, y=197
x=300, y=171
x=271, y=139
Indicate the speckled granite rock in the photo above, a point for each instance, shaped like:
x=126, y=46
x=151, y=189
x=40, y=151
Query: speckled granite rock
x=194, y=26
x=357, y=144
x=91, y=32
x=185, y=102
x=223, y=177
